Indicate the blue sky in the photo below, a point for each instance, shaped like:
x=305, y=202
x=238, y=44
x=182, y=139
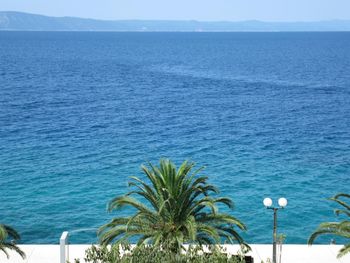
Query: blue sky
x=209, y=10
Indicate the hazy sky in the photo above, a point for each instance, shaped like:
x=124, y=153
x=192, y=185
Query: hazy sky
x=233, y=10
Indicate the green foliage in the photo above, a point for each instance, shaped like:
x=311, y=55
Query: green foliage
x=151, y=254
x=341, y=229
x=281, y=238
x=8, y=237
x=178, y=206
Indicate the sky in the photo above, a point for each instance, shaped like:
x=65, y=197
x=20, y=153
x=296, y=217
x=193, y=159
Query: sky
x=203, y=10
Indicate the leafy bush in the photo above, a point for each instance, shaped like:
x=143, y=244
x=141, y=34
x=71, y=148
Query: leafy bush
x=152, y=254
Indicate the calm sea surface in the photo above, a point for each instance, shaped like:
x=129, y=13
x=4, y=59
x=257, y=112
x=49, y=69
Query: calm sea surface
x=268, y=114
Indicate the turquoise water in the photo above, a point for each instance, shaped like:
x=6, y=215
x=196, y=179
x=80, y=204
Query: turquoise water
x=266, y=113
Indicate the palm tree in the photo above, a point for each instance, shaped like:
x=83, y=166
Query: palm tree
x=341, y=229
x=6, y=233
x=180, y=209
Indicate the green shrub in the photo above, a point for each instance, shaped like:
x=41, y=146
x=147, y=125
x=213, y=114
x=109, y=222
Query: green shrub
x=152, y=254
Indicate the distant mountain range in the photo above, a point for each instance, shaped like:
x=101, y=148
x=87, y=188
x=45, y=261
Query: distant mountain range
x=17, y=21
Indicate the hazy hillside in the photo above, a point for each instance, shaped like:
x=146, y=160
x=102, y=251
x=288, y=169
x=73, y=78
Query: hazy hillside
x=30, y=22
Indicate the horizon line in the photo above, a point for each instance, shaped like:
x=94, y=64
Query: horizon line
x=181, y=20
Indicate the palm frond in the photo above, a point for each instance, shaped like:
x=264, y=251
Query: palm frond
x=341, y=229
x=6, y=233
x=343, y=251
x=14, y=247
x=342, y=203
x=176, y=206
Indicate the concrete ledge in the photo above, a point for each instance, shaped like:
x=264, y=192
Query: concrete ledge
x=290, y=253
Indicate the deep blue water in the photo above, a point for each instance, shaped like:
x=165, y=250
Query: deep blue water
x=268, y=114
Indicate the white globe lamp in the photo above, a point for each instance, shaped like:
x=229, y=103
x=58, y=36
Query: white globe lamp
x=267, y=202
x=282, y=202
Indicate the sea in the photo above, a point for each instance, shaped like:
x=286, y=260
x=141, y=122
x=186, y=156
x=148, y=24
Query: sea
x=267, y=114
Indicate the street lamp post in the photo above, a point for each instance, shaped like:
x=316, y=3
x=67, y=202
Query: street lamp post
x=282, y=202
